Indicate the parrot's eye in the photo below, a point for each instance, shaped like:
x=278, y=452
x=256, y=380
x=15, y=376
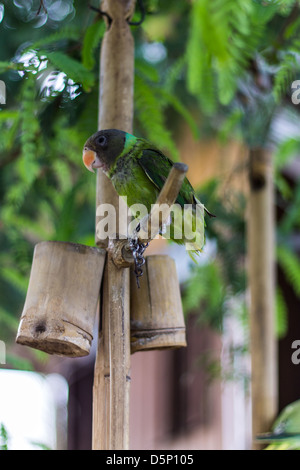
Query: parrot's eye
x=102, y=140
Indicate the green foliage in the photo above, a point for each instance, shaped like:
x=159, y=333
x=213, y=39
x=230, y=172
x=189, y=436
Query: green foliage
x=281, y=314
x=4, y=66
x=206, y=288
x=91, y=41
x=4, y=438
x=199, y=72
x=61, y=36
x=224, y=37
x=40, y=168
x=224, y=62
x=286, y=152
x=290, y=264
x=212, y=284
x=285, y=75
x=40, y=445
x=151, y=116
x=291, y=222
x=172, y=100
x=72, y=68
x=152, y=98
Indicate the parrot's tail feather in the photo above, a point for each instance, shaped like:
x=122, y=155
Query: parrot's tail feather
x=269, y=437
x=209, y=213
x=193, y=254
x=206, y=210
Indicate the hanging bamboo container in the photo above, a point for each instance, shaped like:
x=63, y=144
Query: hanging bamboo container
x=60, y=306
x=156, y=320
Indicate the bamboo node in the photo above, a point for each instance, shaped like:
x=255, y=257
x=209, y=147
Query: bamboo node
x=120, y=253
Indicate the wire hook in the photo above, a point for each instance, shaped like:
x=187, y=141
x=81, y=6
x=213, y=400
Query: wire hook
x=143, y=15
x=40, y=8
x=103, y=13
x=131, y=23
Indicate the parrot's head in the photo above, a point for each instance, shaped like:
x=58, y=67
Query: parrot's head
x=102, y=149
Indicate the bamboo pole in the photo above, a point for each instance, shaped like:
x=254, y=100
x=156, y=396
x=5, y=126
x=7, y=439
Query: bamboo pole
x=261, y=230
x=112, y=367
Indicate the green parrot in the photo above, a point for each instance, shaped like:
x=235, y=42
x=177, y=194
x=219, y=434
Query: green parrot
x=285, y=433
x=138, y=171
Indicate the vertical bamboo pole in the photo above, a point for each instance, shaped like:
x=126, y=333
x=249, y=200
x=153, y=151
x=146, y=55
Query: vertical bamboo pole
x=112, y=367
x=261, y=231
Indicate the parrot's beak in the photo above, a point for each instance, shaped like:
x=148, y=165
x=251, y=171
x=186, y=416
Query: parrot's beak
x=89, y=159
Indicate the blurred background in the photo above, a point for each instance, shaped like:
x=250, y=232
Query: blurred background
x=213, y=79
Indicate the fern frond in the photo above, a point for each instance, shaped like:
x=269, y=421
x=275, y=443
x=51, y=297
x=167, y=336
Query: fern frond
x=230, y=124
x=181, y=109
x=150, y=112
x=91, y=41
x=224, y=36
x=290, y=265
x=4, y=437
x=4, y=66
x=200, y=78
x=285, y=76
x=291, y=219
x=64, y=34
x=27, y=166
x=286, y=151
x=281, y=314
x=72, y=68
x=62, y=173
x=205, y=287
x=175, y=72
x=146, y=70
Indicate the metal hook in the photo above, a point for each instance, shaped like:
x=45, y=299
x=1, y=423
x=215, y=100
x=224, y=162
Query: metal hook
x=40, y=8
x=131, y=23
x=143, y=15
x=103, y=13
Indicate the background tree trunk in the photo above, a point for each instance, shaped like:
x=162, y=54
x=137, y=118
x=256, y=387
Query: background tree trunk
x=261, y=230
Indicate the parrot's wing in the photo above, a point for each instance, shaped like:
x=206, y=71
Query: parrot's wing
x=157, y=167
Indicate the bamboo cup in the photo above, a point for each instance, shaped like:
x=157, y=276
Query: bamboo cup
x=156, y=311
x=60, y=306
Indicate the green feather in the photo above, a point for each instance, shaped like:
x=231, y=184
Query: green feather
x=157, y=167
